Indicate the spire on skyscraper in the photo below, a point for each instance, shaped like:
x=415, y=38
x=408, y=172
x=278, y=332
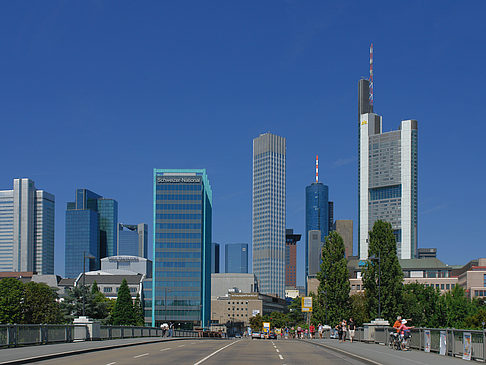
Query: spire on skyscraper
x=371, y=75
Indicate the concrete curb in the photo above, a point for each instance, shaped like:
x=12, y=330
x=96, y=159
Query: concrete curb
x=350, y=354
x=94, y=349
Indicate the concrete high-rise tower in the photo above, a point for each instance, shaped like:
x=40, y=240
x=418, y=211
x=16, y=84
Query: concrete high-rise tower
x=269, y=167
x=26, y=229
x=387, y=177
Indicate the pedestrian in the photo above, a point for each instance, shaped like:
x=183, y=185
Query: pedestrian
x=352, y=328
x=312, y=330
x=320, y=328
x=339, y=330
x=344, y=329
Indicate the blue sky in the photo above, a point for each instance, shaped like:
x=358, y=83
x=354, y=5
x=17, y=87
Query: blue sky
x=96, y=94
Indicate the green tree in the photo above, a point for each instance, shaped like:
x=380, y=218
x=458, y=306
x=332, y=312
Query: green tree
x=476, y=320
x=295, y=315
x=98, y=305
x=138, y=311
x=382, y=244
x=256, y=323
x=40, y=305
x=11, y=298
x=334, y=281
x=421, y=304
x=359, y=309
x=456, y=307
x=123, y=313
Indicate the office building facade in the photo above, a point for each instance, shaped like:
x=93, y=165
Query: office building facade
x=133, y=239
x=26, y=229
x=236, y=258
x=215, y=258
x=91, y=231
x=345, y=229
x=387, y=181
x=268, y=224
x=181, y=280
x=291, y=240
x=317, y=211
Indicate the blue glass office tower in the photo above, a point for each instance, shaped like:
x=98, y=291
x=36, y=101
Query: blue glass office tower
x=236, y=258
x=316, y=215
x=133, y=240
x=91, y=228
x=215, y=258
x=181, y=284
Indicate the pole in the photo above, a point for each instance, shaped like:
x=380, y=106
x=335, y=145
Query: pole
x=379, y=284
x=165, y=302
x=84, y=279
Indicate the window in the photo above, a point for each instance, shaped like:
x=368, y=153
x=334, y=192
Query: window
x=448, y=286
x=441, y=286
x=107, y=289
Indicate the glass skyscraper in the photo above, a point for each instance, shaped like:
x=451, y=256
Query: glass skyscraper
x=269, y=168
x=132, y=240
x=387, y=177
x=91, y=228
x=215, y=252
x=236, y=258
x=181, y=280
x=317, y=218
x=26, y=229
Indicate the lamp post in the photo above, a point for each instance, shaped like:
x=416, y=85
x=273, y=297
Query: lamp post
x=378, y=258
x=89, y=256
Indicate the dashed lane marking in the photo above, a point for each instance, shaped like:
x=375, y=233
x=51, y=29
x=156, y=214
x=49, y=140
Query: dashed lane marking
x=141, y=355
x=277, y=350
x=215, y=352
x=181, y=345
x=281, y=357
x=112, y=363
x=168, y=348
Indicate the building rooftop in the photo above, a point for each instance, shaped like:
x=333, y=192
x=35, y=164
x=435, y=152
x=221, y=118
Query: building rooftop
x=425, y=263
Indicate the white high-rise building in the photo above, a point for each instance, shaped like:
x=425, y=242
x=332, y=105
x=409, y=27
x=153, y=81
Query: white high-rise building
x=269, y=166
x=26, y=229
x=387, y=179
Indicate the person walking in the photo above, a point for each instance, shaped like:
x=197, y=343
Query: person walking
x=320, y=329
x=352, y=328
x=344, y=329
x=339, y=330
x=312, y=331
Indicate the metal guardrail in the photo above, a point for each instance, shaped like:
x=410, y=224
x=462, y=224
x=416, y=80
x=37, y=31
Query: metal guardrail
x=13, y=335
x=454, y=340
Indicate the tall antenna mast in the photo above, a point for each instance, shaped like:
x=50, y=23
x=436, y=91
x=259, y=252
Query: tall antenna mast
x=371, y=75
x=317, y=168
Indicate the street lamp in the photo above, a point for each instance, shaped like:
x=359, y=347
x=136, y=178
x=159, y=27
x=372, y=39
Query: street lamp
x=89, y=256
x=378, y=258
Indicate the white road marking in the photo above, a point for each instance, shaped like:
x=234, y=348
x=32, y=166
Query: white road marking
x=277, y=350
x=281, y=357
x=141, y=355
x=111, y=363
x=181, y=345
x=168, y=348
x=215, y=352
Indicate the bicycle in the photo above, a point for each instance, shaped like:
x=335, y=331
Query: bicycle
x=394, y=342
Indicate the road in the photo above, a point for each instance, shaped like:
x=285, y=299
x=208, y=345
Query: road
x=210, y=352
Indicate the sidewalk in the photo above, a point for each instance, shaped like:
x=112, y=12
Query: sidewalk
x=380, y=354
x=24, y=355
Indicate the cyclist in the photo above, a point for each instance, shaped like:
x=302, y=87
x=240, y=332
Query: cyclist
x=404, y=334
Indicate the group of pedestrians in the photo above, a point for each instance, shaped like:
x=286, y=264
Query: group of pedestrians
x=345, y=327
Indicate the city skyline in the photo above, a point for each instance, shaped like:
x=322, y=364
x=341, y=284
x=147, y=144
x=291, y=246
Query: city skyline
x=293, y=72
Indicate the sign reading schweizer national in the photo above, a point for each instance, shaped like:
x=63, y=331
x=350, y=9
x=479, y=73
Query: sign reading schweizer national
x=178, y=179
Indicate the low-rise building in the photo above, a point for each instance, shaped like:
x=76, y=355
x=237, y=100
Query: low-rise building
x=472, y=277
x=223, y=283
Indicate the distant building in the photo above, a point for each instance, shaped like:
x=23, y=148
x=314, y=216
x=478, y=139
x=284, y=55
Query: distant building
x=109, y=282
x=224, y=283
x=215, y=258
x=133, y=239
x=423, y=253
x=472, y=277
x=236, y=258
x=26, y=229
x=137, y=265
x=345, y=230
x=291, y=240
x=181, y=284
x=268, y=225
x=314, y=253
x=91, y=230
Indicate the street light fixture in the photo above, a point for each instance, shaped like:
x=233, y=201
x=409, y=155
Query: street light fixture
x=378, y=258
x=89, y=256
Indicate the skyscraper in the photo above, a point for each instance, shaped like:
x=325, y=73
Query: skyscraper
x=387, y=176
x=269, y=167
x=132, y=239
x=181, y=284
x=91, y=230
x=291, y=240
x=236, y=258
x=314, y=254
x=215, y=258
x=345, y=229
x=317, y=211
x=26, y=229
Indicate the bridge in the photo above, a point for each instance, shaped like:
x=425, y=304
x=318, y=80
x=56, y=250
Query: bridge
x=209, y=351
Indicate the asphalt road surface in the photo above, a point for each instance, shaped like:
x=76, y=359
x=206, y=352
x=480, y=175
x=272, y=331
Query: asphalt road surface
x=210, y=352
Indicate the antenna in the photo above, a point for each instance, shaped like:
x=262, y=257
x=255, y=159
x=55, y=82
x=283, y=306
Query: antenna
x=371, y=75
x=317, y=168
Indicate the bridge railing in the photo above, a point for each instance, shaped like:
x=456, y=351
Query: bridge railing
x=454, y=344
x=12, y=335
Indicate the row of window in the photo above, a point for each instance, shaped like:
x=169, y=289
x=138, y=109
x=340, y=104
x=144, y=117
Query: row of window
x=179, y=187
x=480, y=293
x=178, y=196
x=178, y=216
x=109, y=289
x=178, y=255
x=177, y=264
x=178, y=225
x=178, y=244
x=179, y=206
x=178, y=235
